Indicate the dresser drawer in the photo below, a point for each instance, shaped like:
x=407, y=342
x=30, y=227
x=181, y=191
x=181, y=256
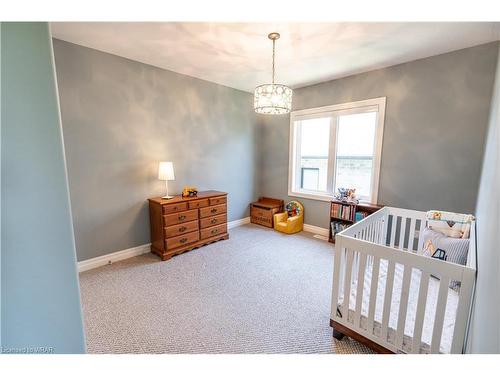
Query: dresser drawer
x=180, y=217
x=182, y=240
x=176, y=230
x=213, y=220
x=198, y=204
x=171, y=208
x=217, y=200
x=213, y=231
x=213, y=210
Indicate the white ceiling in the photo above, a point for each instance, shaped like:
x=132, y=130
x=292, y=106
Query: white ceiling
x=238, y=55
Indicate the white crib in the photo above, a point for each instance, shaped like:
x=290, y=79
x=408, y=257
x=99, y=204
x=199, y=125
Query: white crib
x=389, y=296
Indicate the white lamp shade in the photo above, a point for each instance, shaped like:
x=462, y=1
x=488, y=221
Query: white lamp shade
x=273, y=99
x=166, y=171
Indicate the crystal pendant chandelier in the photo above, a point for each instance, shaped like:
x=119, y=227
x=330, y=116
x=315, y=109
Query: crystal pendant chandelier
x=273, y=98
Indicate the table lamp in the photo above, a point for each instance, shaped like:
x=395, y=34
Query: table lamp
x=166, y=173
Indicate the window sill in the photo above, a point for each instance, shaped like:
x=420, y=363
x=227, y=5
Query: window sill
x=322, y=197
x=317, y=197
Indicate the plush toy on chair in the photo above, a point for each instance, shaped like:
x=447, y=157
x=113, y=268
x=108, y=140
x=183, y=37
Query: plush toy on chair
x=292, y=220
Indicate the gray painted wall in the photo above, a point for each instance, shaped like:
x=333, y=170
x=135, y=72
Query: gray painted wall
x=485, y=325
x=435, y=127
x=40, y=295
x=120, y=118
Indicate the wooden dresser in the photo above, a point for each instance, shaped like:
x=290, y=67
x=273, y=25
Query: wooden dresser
x=181, y=224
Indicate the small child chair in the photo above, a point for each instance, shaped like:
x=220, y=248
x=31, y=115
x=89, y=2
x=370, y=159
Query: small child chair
x=290, y=221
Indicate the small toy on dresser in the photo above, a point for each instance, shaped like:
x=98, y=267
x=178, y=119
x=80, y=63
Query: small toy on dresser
x=346, y=195
x=189, y=191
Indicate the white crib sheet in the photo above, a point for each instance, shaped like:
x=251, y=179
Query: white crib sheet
x=450, y=312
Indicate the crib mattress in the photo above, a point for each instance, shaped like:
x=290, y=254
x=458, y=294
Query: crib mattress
x=432, y=294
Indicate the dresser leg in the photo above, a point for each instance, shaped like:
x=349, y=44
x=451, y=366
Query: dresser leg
x=166, y=257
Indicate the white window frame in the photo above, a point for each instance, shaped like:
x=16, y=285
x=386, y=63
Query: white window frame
x=332, y=111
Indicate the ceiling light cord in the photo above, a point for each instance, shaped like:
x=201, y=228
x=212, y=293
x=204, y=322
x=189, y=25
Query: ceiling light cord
x=274, y=52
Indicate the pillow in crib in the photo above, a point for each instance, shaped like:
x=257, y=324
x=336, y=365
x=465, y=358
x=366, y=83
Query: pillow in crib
x=455, y=249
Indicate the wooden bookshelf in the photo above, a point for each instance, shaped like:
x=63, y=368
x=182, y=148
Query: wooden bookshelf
x=344, y=214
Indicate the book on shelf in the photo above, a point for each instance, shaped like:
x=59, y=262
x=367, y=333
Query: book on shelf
x=360, y=215
x=337, y=227
x=343, y=211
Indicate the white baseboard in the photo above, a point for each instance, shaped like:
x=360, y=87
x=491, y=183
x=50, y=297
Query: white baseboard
x=239, y=222
x=103, y=260
x=307, y=227
x=316, y=230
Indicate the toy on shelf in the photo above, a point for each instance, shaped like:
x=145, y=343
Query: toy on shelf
x=346, y=195
x=292, y=220
x=189, y=191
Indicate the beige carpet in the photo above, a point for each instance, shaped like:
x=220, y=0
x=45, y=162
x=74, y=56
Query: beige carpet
x=258, y=292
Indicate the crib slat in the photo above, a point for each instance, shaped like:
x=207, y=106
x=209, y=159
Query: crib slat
x=419, y=317
x=463, y=308
x=402, y=233
x=381, y=237
x=385, y=221
x=373, y=294
x=420, y=236
x=411, y=237
x=376, y=225
x=388, y=298
x=360, y=290
x=393, y=230
x=403, y=304
x=337, y=263
x=347, y=285
x=439, y=318
x=377, y=232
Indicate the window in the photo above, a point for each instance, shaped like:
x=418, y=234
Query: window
x=336, y=146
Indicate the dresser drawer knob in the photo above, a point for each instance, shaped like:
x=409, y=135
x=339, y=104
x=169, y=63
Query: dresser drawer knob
x=182, y=217
x=213, y=221
x=213, y=210
x=214, y=231
x=183, y=240
x=182, y=229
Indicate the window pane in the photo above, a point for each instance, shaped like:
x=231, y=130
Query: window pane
x=310, y=178
x=355, y=147
x=313, y=159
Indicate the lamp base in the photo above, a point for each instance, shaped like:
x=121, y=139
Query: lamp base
x=168, y=197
